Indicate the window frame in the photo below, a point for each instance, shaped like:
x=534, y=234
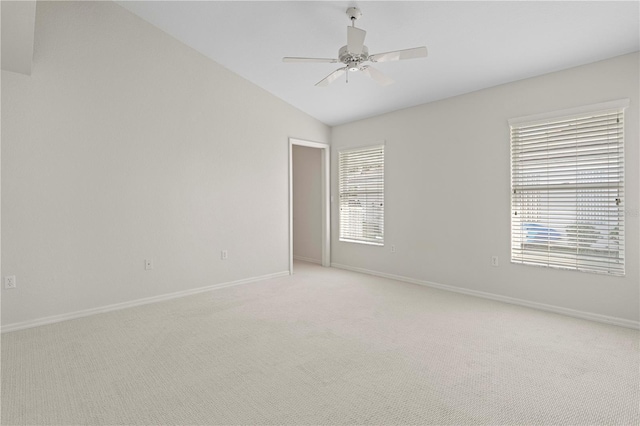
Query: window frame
x=611, y=265
x=348, y=230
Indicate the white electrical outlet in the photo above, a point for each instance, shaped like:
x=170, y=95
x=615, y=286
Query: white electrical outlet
x=393, y=249
x=10, y=281
x=148, y=264
x=224, y=254
x=494, y=260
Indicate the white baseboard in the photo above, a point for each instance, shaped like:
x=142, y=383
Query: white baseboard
x=102, y=309
x=512, y=300
x=307, y=259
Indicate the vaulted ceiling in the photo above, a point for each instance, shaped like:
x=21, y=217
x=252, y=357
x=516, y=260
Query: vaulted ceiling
x=472, y=45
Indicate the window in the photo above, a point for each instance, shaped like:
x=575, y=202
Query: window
x=567, y=190
x=361, y=189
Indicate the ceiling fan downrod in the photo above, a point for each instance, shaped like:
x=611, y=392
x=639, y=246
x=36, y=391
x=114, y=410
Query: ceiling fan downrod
x=354, y=14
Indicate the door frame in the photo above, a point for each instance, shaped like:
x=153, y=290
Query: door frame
x=325, y=194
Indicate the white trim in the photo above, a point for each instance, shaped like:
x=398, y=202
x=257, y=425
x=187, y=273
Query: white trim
x=506, y=299
x=307, y=259
x=536, y=178
x=568, y=113
x=353, y=232
x=145, y=301
x=366, y=243
x=373, y=145
x=326, y=198
x=309, y=144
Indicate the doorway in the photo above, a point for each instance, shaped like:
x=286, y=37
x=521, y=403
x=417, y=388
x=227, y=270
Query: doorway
x=325, y=204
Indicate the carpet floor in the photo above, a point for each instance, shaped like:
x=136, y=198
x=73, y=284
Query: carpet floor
x=323, y=346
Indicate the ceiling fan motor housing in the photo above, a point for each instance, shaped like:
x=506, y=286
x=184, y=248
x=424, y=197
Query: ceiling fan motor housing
x=354, y=13
x=352, y=60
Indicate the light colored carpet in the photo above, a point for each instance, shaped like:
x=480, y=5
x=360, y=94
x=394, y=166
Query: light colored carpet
x=323, y=346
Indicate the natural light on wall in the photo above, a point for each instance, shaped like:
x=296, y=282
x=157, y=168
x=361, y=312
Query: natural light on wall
x=361, y=189
x=567, y=189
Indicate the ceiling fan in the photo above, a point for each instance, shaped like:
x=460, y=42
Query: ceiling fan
x=355, y=53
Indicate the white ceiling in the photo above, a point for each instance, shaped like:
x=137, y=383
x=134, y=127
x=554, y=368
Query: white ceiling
x=472, y=45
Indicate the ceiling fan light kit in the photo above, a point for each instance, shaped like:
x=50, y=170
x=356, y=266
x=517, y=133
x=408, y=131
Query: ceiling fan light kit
x=355, y=53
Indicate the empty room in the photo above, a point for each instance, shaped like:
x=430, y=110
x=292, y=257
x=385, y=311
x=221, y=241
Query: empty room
x=319, y=212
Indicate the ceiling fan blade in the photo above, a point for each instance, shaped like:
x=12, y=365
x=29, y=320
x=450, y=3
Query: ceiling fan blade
x=355, y=40
x=331, y=77
x=327, y=60
x=396, y=55
x=376, y=75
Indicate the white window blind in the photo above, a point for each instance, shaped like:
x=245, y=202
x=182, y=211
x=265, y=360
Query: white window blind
x=567, y=192
x=361, y=189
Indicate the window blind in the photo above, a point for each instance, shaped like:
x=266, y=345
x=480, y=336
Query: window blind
x=361, y=192
x=567, y=192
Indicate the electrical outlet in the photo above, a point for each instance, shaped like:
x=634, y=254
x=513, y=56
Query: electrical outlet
x=148, y=264
x=224, y=254
x=393, y=249
x=494, y=260
x=10, y=281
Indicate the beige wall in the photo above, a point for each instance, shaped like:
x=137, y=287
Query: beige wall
x=447, y=184
x=125, y=145
x=307, y=203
